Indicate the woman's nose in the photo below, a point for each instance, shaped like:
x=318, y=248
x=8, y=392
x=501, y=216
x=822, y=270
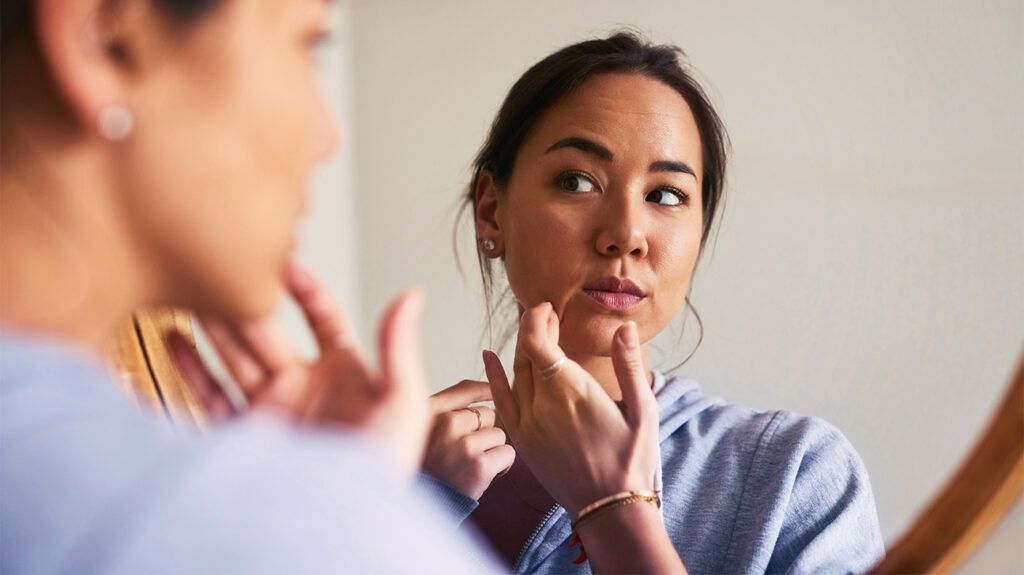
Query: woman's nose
x=622, y=232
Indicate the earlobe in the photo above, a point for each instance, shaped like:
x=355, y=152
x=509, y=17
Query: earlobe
x=488, y=226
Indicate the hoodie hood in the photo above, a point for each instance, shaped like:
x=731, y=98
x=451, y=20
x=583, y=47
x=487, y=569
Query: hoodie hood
x=679, y=400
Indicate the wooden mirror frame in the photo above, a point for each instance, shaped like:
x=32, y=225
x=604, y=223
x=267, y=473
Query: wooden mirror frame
x=145, y=366
x=945, y=534
x=965, y=511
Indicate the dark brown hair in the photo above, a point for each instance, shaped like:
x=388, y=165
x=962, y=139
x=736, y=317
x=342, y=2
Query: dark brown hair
x=16, y=15
x=557, y=75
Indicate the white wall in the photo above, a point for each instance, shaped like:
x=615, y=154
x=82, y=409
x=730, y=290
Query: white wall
x=869, y=266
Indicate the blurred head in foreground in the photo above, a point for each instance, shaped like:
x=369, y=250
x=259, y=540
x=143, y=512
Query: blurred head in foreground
x=156, y=152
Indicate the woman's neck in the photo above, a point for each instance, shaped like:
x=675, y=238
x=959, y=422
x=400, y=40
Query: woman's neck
x=66, y=270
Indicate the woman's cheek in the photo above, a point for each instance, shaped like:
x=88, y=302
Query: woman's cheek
x=533, y=256
x=561, y=250
x=529, y=277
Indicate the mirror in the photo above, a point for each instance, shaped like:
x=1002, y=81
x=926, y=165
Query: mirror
x=867, y=268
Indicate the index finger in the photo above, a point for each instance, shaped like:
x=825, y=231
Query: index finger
x=538, y=337
x=268, y=343
x=505, y=401
x=460, y=395
x=550, y=368
x=321, y=310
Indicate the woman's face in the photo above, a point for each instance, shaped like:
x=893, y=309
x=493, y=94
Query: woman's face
x=602, y=215
x=230, y=124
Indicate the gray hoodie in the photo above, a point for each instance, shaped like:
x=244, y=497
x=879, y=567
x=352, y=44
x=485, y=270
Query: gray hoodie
x=90, y=484
x=744, y=491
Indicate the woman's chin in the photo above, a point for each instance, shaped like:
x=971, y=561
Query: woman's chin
x=593, y=337
x=263, y=302
x=246, y=302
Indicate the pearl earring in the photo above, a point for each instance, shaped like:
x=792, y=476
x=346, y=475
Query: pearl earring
x=115, y=122
x=488, y=245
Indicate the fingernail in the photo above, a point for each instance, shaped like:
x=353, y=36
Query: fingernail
x=629, y=336
x=299, y=277
x=416, y=300
x=487, y=355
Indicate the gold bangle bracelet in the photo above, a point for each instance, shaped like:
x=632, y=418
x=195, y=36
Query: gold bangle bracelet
x=617, y=500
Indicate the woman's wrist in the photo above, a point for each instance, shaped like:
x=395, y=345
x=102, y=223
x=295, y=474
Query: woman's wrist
x=605, y=504
x=615, y=521
x=636, y=528
x=636, y=482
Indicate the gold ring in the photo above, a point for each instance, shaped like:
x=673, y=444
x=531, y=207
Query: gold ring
x=552, y=369
x=479, y=418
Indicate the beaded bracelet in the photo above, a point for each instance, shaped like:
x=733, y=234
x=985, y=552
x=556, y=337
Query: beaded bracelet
x=601, y=506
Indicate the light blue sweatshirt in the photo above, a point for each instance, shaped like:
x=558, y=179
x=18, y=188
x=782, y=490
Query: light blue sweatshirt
x=743, y=492
x=90, y=484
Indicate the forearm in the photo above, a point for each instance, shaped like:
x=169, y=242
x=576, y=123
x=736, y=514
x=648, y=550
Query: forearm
x=630, y=539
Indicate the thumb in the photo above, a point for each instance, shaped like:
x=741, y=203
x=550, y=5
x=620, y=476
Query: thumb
x=400, y=346
x=628, y=362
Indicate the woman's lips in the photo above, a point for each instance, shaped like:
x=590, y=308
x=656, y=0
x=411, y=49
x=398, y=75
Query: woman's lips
x=613, y=300
x=614, y=294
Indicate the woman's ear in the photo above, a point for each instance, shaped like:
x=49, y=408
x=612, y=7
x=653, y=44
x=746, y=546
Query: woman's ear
x=487, y=216
x=91, y=48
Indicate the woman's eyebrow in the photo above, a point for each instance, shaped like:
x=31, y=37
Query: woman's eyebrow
x=582, y=144
x=670, y=166
x=593, y=148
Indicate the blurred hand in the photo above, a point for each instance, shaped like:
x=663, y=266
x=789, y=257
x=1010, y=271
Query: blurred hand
x=339, y=388
x=464, y=450
x=577, y=441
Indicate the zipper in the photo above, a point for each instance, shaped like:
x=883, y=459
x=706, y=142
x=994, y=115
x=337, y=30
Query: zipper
x=533, y=537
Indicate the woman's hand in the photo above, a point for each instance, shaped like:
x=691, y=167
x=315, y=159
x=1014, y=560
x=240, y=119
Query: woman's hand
x=339, y=388
x=465, y=449
x=578, y=442
x=582, y=446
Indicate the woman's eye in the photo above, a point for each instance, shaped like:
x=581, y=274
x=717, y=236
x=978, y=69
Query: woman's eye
x=576, y=183
x=318, y=44
x=667, y=197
